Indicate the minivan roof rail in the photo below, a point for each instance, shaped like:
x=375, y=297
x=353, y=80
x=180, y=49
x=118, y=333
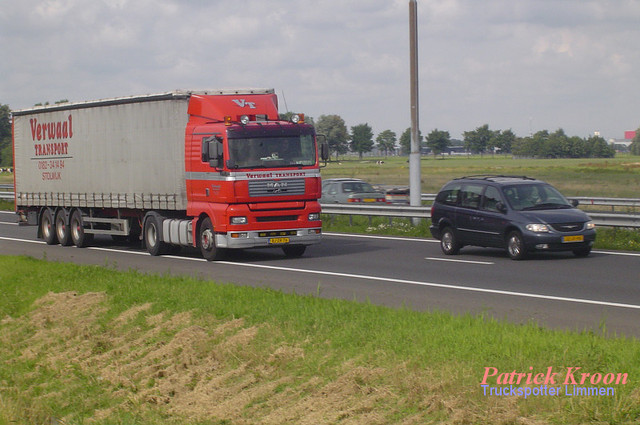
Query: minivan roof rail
x=493, y=176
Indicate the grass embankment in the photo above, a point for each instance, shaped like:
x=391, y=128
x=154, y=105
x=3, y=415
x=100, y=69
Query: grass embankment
x=84, y=344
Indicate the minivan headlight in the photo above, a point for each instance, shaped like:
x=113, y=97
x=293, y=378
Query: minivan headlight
x=589, y=225
x=537, y=227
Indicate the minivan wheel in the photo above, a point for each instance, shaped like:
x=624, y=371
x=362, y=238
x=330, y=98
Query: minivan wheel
x=515, y=246
x=448, y=242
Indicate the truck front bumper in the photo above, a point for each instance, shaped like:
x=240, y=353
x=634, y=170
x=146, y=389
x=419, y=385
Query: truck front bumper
x=268, y=238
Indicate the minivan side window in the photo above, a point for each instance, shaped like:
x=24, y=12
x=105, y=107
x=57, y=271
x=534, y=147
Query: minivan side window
x=491, y=199
x=470, y=196
x=449, y=195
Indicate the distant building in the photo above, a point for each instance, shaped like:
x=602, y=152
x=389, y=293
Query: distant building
x=623, y=144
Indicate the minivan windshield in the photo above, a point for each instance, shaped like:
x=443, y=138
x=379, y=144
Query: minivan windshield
x=527, y=197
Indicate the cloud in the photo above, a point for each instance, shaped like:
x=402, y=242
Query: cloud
x=525, y=65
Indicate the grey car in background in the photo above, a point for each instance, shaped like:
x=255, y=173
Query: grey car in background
x=349, y=190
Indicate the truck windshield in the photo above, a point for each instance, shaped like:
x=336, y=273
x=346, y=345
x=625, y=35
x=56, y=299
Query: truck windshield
x=267, y=152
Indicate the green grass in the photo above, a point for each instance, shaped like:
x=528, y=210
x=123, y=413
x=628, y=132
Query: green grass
x=617, y=177
x=84, y=342
x=6, y=178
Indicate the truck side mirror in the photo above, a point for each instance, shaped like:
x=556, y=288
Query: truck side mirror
x=323, y=147
x=212, y=151
x=205, y=150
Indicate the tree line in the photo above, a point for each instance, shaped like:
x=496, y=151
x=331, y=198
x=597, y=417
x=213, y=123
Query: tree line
x=360, y=139
x=6, y=149
x=482, y=140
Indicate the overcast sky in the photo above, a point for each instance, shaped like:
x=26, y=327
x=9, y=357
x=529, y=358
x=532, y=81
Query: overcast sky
x=527, y=65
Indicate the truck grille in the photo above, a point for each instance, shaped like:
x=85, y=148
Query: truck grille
x=276, y=187
x=270, y=219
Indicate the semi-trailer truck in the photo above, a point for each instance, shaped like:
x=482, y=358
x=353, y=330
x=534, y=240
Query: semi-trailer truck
x=213, y=170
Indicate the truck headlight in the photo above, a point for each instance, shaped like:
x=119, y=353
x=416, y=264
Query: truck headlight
x=537, y=227
x=314, y=216
x=239, y=220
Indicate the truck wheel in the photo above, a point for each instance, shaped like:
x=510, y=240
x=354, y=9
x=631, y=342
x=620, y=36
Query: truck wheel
x=207, y=241
x=152, y=237
x=294, y=251
x=47, y=227
x=78, y=236
x=62, y=230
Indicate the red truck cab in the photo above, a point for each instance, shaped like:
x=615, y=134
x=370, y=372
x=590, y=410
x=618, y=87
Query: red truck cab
x=252, y=180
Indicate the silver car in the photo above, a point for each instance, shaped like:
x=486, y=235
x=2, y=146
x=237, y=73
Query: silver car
x=346, y=190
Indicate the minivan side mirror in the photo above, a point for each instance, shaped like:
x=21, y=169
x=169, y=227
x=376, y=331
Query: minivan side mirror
x=501, y=207
x=575, y=203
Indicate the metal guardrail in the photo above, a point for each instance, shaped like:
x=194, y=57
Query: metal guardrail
x=404, y=211
x=584, y=200
x=6, y=192
x=600, y=218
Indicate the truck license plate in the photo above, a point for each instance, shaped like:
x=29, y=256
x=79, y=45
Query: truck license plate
x=577, y=238
x=278, y=240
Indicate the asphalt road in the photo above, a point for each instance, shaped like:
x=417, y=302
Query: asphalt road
x=556, y=290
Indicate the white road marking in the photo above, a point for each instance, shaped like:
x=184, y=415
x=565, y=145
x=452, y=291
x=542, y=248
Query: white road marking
x=393, y=238
x=379, y=279
x=451, y=260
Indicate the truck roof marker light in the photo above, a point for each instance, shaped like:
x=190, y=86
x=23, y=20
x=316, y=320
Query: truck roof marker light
x=227, y=120
x=244, y=119
x=297, y=118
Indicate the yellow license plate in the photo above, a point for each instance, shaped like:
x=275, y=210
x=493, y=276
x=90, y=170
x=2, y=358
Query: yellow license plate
x=577, y=238
x=279, y=240
x=369, y=200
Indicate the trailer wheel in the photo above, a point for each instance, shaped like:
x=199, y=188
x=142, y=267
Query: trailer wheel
x=207, y=241
x=78, y=236
x=62, y=230
x=47, y=227
x=152, y=237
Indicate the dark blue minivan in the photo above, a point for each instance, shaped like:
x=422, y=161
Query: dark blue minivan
x=519, y=214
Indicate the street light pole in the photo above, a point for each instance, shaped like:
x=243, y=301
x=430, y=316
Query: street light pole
x=414, y=156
